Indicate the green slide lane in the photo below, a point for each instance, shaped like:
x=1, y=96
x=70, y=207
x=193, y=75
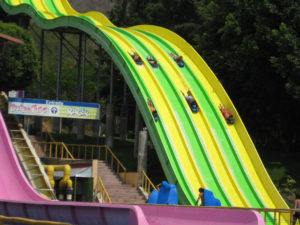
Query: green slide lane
x=218, y=125
x=177, y=102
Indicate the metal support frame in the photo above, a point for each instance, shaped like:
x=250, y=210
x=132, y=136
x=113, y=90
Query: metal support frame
x=40, y=95
x=111, y=82
x=98, y=76
x=98, y=95
x=83, y=68
x=59, y=66
x=124, y=92
x=79, y=68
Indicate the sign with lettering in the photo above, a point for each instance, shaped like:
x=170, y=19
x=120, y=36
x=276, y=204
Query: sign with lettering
x=40, y=107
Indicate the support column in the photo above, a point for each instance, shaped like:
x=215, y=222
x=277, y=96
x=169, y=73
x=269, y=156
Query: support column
x=81, y=123
x=83, y=68
x=38, y=119
x=58, y=84
x=41, y=64
x=142, y=155
x=75, y=127
x=109, y=131
x=124, y=115
x=137, y=128
x=56, y=121
x=98, y=122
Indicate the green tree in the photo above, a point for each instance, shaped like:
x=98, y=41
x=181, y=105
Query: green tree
x=18, y=63
x=253, y=46
x=177, y=15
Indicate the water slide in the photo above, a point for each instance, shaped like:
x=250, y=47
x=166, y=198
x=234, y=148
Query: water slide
x=195, y=150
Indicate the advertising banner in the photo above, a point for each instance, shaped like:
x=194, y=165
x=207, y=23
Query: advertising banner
x=40, y=107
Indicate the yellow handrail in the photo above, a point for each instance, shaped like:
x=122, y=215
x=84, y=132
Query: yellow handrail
x=114, y=157
x=28, y=221
x=100, y=188
x=62, y=150
x=67, y=151
x=94, y=152
x=53, y=150
x=146, y=183
x=277, y=214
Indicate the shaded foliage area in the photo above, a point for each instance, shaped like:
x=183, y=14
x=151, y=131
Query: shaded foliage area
x=18, y=63
x=253, y=48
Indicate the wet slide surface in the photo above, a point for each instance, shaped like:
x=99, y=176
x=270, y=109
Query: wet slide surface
x=195, y=150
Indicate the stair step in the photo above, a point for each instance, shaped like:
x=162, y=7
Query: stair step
x=117, y=190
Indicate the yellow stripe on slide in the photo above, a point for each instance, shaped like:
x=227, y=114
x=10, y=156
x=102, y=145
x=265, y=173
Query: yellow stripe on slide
x=16, y=2
x=167, y=115
x=42, y=7
x=243, y=144
x=211, y=146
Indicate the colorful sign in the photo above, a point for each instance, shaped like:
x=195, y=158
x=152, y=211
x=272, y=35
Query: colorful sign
x=39, y=107
x=16, y=94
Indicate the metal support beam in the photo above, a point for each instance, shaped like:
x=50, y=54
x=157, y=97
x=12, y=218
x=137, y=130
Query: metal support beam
x=111, y=82
x=79, y=67
x=98, y=96
x=98, y=76
x=59, y=66
x=83, y=68
x=142, y=154
x=41, y=63
x=124, y=92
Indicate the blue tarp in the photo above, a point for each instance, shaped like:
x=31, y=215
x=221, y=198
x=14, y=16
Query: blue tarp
x=210, y=200
x=166, y=195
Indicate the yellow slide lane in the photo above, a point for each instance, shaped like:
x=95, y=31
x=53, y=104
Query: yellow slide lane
x=167, y=115
x=244, y=146
x=201, y=124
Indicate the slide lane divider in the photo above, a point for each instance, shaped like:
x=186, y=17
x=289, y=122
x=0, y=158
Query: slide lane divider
x=216, y=152
x=218, y=124
x=248, y=154
x=199, y=145
x=164, y=109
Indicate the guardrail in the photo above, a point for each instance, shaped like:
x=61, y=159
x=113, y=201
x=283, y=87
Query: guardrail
x=80, y=151
x=20, y=220
x=52, y=150
x=147, y=185
x=100, y=152
x=100, y=189
x=278, y=216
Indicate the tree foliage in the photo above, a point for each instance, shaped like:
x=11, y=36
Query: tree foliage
x=253, y=48
x=18, y=63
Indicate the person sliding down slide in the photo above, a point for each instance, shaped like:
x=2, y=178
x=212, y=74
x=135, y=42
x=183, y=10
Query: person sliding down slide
x=136, y=57
x=227, y=116
x=152, y=109
x=152, y=61
x=191, y=101
x=177, y=59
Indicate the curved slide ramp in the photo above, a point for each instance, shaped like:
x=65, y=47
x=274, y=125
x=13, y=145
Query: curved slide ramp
x=195, y=149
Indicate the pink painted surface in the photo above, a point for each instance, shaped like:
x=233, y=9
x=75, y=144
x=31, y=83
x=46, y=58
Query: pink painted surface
x=18, y=198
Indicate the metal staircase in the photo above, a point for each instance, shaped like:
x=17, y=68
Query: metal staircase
x=28, y=158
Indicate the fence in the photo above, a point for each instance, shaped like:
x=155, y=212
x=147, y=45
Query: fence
x=52, y=150
x=147, y=185
x=100, y=152
x=101, y=190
